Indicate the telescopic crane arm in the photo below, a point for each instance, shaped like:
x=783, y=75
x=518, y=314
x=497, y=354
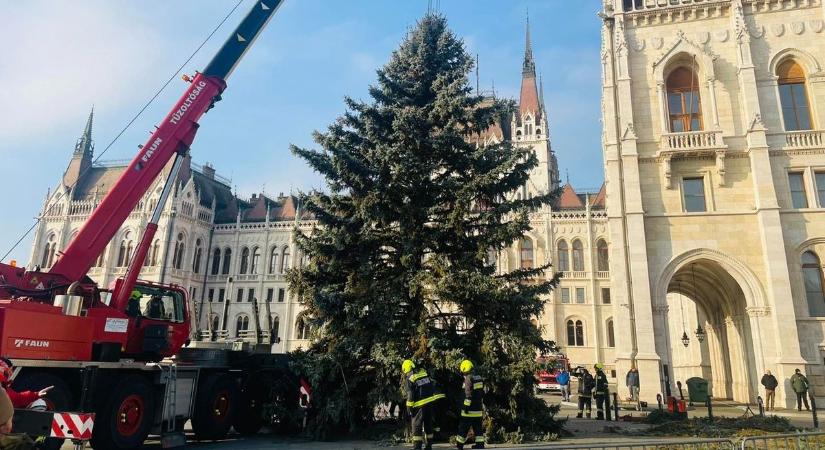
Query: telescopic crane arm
x=172, y=137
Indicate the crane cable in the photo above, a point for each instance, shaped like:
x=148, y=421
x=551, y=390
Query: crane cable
x=126, y=127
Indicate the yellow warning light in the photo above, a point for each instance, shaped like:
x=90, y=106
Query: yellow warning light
x=13, y=263
x=186, y=78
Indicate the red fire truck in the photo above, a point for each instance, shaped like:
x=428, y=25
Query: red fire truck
x=123, y=352
x=546, y=376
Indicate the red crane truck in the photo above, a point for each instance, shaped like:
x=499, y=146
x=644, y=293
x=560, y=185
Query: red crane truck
x=124, y=352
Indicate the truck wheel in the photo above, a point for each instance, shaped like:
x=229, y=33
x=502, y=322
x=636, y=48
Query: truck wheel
x=59, y=398
x=249, y=416
x=124, y=417
x=214, y=407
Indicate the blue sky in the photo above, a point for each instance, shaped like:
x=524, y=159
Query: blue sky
x=115, y=53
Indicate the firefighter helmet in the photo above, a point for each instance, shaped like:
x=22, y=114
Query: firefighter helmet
x=466, y=366
x=407, y=366
x=598, y=366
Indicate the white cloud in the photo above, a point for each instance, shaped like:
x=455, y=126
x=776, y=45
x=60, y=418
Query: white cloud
x=59, y=57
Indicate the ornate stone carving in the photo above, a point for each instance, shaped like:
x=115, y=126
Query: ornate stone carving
x=778, y=29
x=703, y=37
x=721, y=35
x=720, y=166
x=817, y=25
x=757, y=311
x=629, y=132
x=740, y=27
x=798, y=27
x=757, y=124
x=666, y=171
x=757, y=32
x=638, y=45
x=657, y=43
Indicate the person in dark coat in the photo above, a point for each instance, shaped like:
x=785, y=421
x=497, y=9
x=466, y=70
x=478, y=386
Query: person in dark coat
x=586, y=385
x=799, y=384
x=770, y=384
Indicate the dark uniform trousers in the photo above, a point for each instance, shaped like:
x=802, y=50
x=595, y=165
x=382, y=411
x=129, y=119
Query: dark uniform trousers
x=422, y=420
x=472, y=411
x=601, y=394
x=585, y=402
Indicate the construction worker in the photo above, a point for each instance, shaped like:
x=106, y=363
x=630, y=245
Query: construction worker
x=600, y=393
x=472, y=408
x=585, y=392
x=420, y=395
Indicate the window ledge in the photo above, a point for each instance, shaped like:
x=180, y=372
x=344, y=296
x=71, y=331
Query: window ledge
x=692, y=144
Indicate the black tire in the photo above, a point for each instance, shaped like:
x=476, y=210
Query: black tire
x=125, y=416
x=59, y=398
x=249, y=418
x=215, y=407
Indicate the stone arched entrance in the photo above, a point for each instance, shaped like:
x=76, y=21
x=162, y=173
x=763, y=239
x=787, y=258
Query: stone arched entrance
x=708, y=289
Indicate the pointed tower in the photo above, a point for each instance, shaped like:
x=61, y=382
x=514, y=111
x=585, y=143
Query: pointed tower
x=530, y=127
x=82, y=155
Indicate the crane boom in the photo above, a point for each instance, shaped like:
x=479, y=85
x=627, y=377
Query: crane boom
x=175, y=134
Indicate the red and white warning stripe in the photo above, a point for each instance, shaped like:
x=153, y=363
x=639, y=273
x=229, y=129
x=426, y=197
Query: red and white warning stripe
x=72, y=426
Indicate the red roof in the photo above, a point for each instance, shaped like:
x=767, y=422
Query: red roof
x=529, y=99
x=599, y=199
x=569, y=198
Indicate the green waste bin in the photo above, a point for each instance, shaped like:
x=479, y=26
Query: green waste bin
x=697, y=389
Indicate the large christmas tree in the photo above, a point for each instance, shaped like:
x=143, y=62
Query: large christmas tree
x=400, y=263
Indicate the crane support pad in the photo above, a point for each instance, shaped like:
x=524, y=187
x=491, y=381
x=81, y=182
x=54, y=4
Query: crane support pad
x=61, y=425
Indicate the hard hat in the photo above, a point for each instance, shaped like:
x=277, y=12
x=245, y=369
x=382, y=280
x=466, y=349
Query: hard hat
x=38, y=405
x=598, y=366
x=407, y=366
x=135, y=294
x=466, y=366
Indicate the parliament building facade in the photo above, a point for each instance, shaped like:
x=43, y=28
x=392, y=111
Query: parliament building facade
x=701, y=255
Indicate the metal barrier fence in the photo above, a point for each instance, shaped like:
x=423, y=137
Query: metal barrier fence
x=679, y=444
x=795, y=441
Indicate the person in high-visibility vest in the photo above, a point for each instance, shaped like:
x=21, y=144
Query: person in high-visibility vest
x=420, y=396
x=472, y=408
x=600, y=393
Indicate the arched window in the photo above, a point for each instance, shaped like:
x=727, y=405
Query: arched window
x=275, y=328
x=196, y=261
x=241, y=324
x=180, y=249
x=273, y=260
x=812, y=272
x=526, y=253
x=602, y=256
x=285, y=260
x=683, y=102
x=578, y=256
x=793, y=96
x=256, y=258
x=227, y=261
x=48, y=252
x=564, y=256
x=244, y=261
x=216, y=261
x=492, y=257
x=611, y=337
x=302, y=327
x=125, y=251
x=575, y=333
x=152, y=255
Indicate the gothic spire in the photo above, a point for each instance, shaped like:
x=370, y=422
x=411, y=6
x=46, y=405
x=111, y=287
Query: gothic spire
x=84, y=144
x=529, y=66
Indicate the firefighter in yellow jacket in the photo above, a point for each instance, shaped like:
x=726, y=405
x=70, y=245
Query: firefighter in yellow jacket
x=421, y=394
x=473, y=407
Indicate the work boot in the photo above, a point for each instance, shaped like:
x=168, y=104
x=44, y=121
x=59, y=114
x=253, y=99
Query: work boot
x=588, y=414
x=579, y=415
x=478, y=445
x=429, y=446
x=459, y=446
x=599, y=415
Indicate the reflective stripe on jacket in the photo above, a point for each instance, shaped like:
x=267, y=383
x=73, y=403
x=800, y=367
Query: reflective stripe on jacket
x=420, y=389
x=601, y=383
